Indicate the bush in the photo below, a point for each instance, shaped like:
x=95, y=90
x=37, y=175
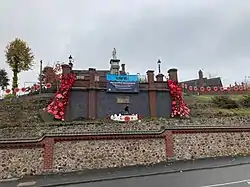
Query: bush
x=9, y=96
x=225, y=102
x=44, y=90
x=245, y=101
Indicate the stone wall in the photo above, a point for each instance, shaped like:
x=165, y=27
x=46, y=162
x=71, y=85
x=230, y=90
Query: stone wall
x=107, y=153
x=19, y=162
x=202, y=145
x=74, y=153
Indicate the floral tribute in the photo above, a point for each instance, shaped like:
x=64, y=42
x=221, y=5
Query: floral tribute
x=179, y=108
x=58, y=105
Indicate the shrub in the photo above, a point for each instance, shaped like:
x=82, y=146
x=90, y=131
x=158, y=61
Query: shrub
x=9, y=96
x=225, y=102
x=44, y=90
x=245, y=101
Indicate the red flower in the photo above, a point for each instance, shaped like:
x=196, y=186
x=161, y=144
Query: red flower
x=179, y=108
x=58, y=105
x=37, y=87
x=127, y=118
x=8, y=91
x=16, y=90
x=23, y=89
x=48, y=85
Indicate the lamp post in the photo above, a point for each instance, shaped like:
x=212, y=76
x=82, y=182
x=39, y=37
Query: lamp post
x=70, y=62
x=159, y=65
x=40, y=76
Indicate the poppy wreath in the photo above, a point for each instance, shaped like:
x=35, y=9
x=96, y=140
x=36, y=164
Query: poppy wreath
x=58, y=105
x=179, y=108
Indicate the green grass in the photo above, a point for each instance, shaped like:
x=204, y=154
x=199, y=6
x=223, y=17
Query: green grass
x=208, y=98
x=202, y=106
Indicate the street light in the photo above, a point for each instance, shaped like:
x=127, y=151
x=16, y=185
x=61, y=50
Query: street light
x=40, y=76
x=159, y=65
x=70, y=62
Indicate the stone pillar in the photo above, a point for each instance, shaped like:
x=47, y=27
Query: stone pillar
x=159, y=77
x=48, y=153
x=172, y=73
x=92, y=94
x=169, y=144
x=152, y=93
x=66, y=69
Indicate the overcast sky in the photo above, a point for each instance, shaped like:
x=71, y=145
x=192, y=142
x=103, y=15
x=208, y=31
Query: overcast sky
x=187, y=34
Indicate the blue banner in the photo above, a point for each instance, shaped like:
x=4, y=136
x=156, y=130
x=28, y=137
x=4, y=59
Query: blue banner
x=122, y=78
x=125, y=87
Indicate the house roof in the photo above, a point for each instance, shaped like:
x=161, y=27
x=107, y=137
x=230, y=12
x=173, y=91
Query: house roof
x=207, y=82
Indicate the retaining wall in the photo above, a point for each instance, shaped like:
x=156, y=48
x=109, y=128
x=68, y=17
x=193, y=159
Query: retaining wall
x=66, y=153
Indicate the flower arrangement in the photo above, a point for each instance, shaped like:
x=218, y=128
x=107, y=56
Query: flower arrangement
x=179, y=108
x=58, y=105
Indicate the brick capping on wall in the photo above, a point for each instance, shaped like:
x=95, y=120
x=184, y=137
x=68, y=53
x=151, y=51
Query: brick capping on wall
x=47, y=142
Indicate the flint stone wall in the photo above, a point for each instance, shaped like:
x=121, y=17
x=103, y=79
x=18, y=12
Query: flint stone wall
x=75, y=156
x=79, y=155
x=15, y=163
x=202, y=145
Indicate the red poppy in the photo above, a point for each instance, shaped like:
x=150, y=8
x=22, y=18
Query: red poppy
x=139, y=116
x=7, y=91
x=48, y=85
x=202, y=89
x=195, y=88
x=208, y=89
x=236, y=88
x=23, y=89
x=16, y=90
x=127, y=118
x=179, y=108
x=37, y=87
x=216, y=88
x=58, y=105
x=221, y=89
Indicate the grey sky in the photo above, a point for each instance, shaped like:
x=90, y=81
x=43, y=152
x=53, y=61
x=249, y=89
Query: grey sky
x=188, y=34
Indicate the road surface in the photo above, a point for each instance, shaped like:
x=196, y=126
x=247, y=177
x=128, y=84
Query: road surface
x=220, y=172
x=237, y=176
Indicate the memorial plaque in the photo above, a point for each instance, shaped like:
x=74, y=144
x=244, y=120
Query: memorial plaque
x=80, y=77
x=122, y=99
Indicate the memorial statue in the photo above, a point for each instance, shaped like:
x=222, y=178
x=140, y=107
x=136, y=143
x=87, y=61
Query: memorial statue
x=114, y=54
x=126, y=109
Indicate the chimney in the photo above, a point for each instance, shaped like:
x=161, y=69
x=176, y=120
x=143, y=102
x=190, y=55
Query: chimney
x=172, y=73
x=200, y=75
x=201, y=79
x=123, y=69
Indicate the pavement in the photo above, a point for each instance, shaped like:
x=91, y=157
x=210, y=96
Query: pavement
x=215, y=172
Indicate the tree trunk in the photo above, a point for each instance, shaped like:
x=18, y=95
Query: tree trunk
x=14, y=81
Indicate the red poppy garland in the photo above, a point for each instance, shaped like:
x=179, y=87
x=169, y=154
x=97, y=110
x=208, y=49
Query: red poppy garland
x=179, y=108
x=58, y=105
